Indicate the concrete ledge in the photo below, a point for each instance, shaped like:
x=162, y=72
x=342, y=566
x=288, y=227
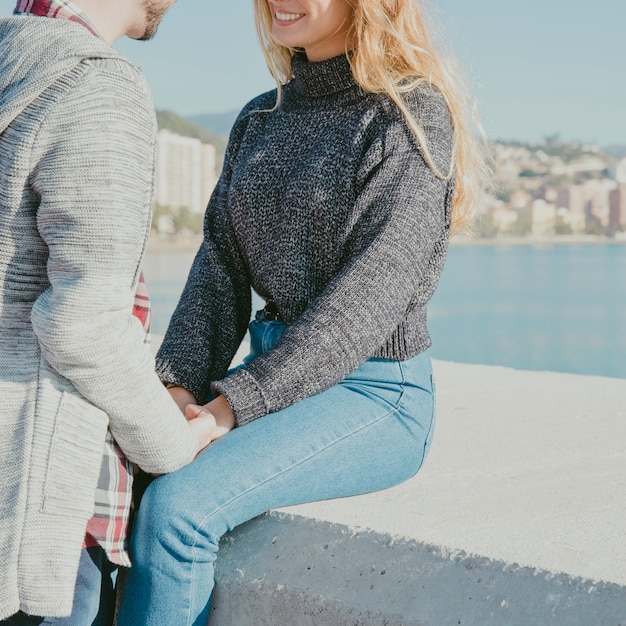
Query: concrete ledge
x=517, y=518
x=290, y=570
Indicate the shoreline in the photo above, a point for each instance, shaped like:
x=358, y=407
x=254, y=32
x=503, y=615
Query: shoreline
x=174, y=244
x=158, y=244
x=461, y=240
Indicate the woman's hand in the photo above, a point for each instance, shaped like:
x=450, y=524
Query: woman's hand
x=208, y=422
x=211, y=421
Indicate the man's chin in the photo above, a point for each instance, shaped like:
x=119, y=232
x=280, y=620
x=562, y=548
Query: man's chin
x=154, y=13
x=146, y=35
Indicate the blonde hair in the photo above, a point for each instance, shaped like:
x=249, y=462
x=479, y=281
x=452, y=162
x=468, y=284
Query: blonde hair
x=392, y=52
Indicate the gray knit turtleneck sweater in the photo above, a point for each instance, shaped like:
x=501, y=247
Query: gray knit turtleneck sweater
x=327, y=207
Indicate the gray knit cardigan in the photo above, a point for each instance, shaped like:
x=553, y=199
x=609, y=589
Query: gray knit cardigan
x=77, y=141
x=326, y=206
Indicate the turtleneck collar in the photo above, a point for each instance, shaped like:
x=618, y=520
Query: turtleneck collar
x=323, y=78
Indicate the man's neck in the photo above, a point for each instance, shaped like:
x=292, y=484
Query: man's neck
x=112, y=18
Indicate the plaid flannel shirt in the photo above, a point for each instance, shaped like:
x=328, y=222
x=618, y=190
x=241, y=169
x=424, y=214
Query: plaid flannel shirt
x=109, y=525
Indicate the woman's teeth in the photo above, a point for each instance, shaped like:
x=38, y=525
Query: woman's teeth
x=288, y=17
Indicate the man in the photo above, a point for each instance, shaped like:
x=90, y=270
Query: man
x=77, y=142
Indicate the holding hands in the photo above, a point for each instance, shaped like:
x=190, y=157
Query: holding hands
x=208, y=422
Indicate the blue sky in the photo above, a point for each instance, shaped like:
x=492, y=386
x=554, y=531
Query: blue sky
x=537, y=67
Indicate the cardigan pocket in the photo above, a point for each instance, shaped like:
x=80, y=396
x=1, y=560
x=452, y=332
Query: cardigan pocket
x=75, y=457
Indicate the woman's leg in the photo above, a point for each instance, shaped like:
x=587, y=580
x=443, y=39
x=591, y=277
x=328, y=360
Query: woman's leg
x=368, y=433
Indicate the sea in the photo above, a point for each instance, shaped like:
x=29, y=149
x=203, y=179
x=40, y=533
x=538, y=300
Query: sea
x=535, y=306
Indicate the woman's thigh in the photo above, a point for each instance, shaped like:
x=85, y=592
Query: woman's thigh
x=367, y=433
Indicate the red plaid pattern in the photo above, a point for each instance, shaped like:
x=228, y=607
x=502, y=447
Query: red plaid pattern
x=61, y=9
x=110, y=523
x=141, y=308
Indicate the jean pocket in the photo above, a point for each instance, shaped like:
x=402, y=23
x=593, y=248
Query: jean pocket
x=75, y=457
x=381, y=380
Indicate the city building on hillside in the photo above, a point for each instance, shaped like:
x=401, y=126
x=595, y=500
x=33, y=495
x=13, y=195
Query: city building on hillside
x=504, y=218
x=186, y=172
x=543, y=218
x=617, y=208
x=571, y=201
x=555, y=188
x=520, y=199
x=586, y=163
x=620, y=172
x=598, y=192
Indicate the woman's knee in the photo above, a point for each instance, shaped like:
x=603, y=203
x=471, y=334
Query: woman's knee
x=162, y=512
x=175, y=516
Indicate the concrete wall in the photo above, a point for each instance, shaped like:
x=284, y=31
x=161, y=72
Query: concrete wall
x=517, y=518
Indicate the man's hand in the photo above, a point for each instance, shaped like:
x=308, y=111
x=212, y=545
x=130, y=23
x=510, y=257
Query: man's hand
x=211, y=421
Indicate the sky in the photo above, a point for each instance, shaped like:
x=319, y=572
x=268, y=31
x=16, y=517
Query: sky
x=536, y=67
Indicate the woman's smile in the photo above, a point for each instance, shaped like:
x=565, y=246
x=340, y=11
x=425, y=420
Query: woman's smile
x=281, y=16
x=318, y=26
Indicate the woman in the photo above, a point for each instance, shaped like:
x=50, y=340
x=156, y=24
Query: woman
x=336, y=201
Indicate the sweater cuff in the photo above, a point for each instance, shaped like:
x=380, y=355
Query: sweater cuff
x=244, y=395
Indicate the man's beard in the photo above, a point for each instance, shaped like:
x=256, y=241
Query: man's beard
x=155, y=10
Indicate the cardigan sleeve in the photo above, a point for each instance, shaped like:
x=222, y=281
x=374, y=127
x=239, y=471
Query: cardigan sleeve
x=92, y=169
x=402, y=208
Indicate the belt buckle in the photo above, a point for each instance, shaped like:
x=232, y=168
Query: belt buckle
x=270, y=311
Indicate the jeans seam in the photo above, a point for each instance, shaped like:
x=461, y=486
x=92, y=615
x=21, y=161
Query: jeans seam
x=432, y=422
x=265, y=331
x=402, y=384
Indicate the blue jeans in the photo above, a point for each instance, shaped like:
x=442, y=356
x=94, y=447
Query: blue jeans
x=94, y=595
x=369, y=432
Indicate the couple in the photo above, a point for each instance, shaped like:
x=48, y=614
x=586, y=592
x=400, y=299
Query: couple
x=337, y=198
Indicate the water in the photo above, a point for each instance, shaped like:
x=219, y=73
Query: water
x=552, y=307
x=559, y=307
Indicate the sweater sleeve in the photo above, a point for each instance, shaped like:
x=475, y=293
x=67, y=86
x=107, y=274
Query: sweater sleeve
x=402, y=215
x=201, y=339
x=93, y=171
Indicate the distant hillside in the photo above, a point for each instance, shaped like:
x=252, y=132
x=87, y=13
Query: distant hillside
x=169, y=120
x=567, y=151
x=218, y=123
x=617, y=151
